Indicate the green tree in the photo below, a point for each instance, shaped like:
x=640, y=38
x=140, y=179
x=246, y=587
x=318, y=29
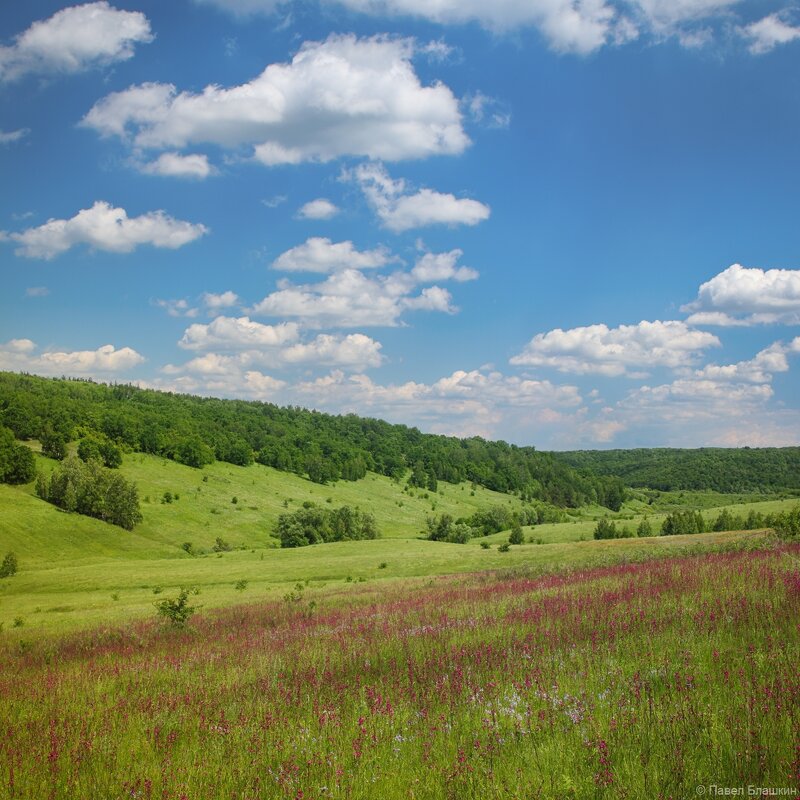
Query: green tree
x=605, y=529
x=53, y=445
x=516, y=536
x=194, y=452
x=9, y=566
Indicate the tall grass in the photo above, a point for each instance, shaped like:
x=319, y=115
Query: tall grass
x=642, y=680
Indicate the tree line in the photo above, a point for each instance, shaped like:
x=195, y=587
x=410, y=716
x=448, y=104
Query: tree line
x=726, y=470
x=198, y=430
x=690, y=522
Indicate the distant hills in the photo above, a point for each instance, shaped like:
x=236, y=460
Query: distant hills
x=720, y=469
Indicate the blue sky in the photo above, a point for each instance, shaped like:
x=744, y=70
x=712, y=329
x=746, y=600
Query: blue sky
x=566, y=223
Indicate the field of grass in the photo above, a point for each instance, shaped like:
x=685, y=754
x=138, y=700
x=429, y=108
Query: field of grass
x=643, y=680
x=77, y=572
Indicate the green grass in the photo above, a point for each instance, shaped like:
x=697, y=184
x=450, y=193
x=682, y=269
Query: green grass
x=635, y=681
x=71, y=566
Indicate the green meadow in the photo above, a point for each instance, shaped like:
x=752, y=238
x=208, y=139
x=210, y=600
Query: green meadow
x=77, y=572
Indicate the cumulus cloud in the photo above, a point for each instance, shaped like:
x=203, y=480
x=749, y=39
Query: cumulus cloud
x=214, y=302
x=442, y=267
x=579, y=26
x=21, y=355
x=322, y=255
x=715, y=405
x=73, y=40
x=103, y=227
x=9, y=137
x=349, y=299
x=229, y=333
x=178, y=308
x=468, y=403
x=625, y=350
x=748, y=296
x=175, y=165
x=344, y=96
x=318, y=209
x=758, y=369
x=767, y=33
x=236, y=345
x=400, y=210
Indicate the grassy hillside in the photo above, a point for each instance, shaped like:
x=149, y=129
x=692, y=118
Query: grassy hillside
x=76, y=571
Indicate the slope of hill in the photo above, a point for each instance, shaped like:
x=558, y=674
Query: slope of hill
x=195, y=430
x=720, y=469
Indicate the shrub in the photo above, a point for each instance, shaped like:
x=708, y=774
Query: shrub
x=91, y=489
x=787, y=524
x=516, y=536
x=240, y=585
x=221, y=546
x=17, y=462
x=605, y=530
x=176, y=611
x=9, y=566
x=313, y=524
x=504, y=548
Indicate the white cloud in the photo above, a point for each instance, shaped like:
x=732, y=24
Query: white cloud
x=625, y=350
x=757, y=370
x=9, y=137
x=178, y=308
x=442, y=267
x=729, y=405
x=348, y=299
x=321, y=255
x=748, y=296
x=344, y=96
x=579, y=26
x=666, y=14
x=318, y=209
x=767, y=33
x=355, y=350
x=229, y=333
x=464, y=403
x=19, y=355
x=345, y=299
x=74, y=40
x=432, y=298
x=103, y=227
x=175, y=165
x=400, y=211
x=214, y=302
x=236, y=345
x=37, y=291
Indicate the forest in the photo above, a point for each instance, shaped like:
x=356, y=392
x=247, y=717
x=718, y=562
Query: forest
x=198, y=430
x=719, y=469
x=107, y=420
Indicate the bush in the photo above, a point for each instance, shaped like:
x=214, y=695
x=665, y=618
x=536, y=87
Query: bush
x=17, y=462
x=516, y=536
x=221, y=546
x=313, y=524
x=92, y=490
x=787, y=524
x=177, y=611
x=605, y=529
x=9, y=566
x=100, y=449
